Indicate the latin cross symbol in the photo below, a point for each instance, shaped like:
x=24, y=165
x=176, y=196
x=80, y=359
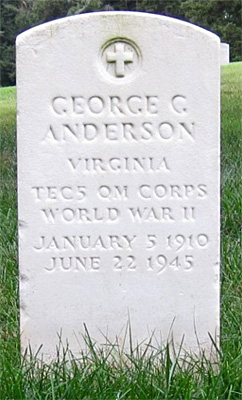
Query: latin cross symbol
x=120, y=57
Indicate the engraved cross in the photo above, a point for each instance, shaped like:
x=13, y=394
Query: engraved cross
x=120, y=57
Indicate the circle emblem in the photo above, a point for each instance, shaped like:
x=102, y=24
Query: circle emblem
x=120, y=58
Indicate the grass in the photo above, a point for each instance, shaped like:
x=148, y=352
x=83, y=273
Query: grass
x=95, y=375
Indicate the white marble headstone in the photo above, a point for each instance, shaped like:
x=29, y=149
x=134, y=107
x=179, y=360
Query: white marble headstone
x=118, y=181
x=224, y=53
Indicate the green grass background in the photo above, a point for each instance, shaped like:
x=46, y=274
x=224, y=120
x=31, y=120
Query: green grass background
x=94, y=375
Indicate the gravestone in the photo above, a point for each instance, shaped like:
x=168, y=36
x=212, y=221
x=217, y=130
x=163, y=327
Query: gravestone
x=118, y=181
x=224, y=53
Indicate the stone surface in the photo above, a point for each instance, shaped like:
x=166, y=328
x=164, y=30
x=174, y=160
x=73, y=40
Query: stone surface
x=224, y=53
x=118, y=181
